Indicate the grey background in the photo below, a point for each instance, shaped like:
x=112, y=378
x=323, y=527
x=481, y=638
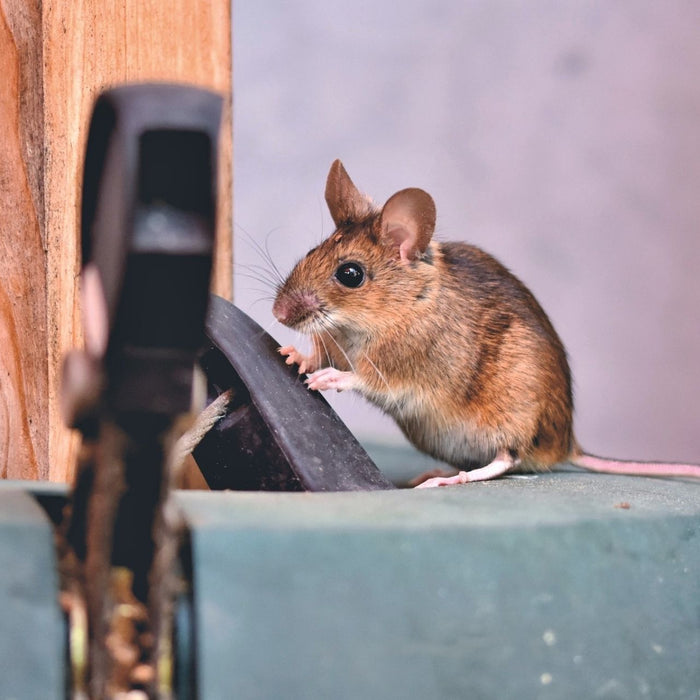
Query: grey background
x=562, y=136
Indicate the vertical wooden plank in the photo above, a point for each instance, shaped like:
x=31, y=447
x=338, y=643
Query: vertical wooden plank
x=24, y=425
x=55, y=57
x=194, y=45
x=90, y=45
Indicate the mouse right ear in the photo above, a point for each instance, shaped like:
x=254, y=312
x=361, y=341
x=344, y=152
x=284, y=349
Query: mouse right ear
x=345, y=201
x=408, y=222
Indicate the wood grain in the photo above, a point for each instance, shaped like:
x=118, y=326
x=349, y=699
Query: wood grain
x=56, y=57
x=23, y=368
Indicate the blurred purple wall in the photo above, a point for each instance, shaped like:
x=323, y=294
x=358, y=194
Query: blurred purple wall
x=562, y=136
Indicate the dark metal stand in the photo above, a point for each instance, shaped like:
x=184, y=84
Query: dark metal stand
x=148, y=220
x=278, y=435
x=148, y=231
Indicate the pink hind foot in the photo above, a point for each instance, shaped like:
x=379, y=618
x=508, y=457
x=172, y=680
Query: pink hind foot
x=461, y=478
x=430, y=474
x=503, y=464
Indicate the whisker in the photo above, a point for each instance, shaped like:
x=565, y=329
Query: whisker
x=270, y=259
x=259, y=300
x=252, y=266
x=260, y=294
x=263, y=252
x=255, y=284
x=351, y=365
x=383, y=378
x=325, y=348
x=267, y=330
x=342, y=351
x=254, y=276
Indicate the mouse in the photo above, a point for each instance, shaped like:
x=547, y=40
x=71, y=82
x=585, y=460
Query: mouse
x=439, y=335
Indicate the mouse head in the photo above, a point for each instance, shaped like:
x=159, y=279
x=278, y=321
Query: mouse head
x=367, y=272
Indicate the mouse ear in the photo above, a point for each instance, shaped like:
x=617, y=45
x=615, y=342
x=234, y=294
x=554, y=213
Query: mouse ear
x=408, y=221
x=345, y=201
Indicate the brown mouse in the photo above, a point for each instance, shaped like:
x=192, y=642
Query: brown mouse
x=441, y=336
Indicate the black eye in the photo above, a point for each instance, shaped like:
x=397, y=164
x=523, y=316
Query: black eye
x=350, y=274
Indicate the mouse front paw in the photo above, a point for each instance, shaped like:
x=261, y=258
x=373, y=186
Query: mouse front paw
x=331, y=378
x=306, y=363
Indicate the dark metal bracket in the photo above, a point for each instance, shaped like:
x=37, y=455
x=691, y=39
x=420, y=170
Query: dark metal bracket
x=148, y=219
x=277, y=435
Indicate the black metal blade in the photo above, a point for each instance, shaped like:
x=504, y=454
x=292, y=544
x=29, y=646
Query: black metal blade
x=278, y=435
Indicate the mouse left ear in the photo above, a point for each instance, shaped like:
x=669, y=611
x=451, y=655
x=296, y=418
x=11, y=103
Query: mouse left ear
x=408, y=222
x=345, y=202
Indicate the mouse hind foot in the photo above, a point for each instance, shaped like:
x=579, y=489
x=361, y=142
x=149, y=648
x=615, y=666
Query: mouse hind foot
x=504, y=463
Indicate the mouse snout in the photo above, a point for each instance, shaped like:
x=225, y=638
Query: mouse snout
x=291, y=309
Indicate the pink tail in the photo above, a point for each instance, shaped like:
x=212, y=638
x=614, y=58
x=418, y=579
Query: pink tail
x=614, y=466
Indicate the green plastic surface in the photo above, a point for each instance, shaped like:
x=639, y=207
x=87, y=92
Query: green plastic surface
x=562, y=585
x=32, y=644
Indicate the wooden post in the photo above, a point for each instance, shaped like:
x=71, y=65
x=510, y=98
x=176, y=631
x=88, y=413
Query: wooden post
x=55, y=56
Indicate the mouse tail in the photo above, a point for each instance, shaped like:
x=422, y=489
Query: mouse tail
x=631, y=468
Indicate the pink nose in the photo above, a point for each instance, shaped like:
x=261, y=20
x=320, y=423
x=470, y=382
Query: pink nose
x=293, y=308
x=280, y=309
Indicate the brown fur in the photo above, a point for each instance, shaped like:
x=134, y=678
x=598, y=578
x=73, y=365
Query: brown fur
x=439, y=335
x=449, y=343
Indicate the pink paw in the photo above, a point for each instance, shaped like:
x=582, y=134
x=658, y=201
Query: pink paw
x=504, y=463
x=294, y=357
x=461, y=478
x=430, y=474
x=331, y=378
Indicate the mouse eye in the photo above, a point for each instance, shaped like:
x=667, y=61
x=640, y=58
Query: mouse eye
x=350, y=274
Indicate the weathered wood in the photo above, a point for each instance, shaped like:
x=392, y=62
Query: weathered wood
x=55, y=57
x=23, y=369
